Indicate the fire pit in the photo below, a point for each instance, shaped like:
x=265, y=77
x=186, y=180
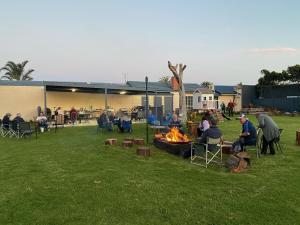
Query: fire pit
x=173, y=142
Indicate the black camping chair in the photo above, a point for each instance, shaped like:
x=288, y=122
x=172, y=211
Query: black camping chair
x=24, y=129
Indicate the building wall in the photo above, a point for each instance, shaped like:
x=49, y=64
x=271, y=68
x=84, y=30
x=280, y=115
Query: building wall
x=21, y=99
x=66, y=100
x=227, y=98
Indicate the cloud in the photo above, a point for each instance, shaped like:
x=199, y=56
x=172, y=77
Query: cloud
x=272, y=50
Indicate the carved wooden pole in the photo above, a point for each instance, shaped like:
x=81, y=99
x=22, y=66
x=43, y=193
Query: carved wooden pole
x=178, y=74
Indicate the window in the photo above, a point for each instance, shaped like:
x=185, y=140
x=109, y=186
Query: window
x=199, y=98
x=210, y=98
x=189, y=102
x=204, y=98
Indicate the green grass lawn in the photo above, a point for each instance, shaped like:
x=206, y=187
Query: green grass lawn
x=70, y=177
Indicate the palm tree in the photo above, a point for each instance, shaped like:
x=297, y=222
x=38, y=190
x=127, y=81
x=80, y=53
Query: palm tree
x=15, y=71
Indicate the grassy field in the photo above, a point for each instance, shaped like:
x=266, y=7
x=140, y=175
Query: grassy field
x=70, y=177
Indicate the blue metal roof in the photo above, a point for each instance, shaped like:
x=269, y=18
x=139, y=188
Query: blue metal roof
x=221, y=89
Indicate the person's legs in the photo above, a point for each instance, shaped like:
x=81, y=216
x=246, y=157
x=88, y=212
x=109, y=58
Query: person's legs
x=271, y=147
x=264, y=146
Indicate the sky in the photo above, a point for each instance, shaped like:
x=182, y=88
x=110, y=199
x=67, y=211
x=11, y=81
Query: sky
x=222, y=41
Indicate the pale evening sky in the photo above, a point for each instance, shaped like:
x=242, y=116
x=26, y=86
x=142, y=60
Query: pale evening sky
x=223, y=41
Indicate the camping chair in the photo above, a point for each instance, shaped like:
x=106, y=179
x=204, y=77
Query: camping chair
x=127, y=126
x=24, y=130
x=13, y=129
x=2, y=129
x=201, y=152
x=259, y=143
x=104, y=126
x=277, y=142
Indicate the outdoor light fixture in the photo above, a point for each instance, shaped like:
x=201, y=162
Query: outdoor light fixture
x=73, y=89
x=123, y=92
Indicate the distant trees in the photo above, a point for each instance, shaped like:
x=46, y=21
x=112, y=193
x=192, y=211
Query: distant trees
x=206, y=84
x=15, y=71
x=164, y=79
x=289, y=76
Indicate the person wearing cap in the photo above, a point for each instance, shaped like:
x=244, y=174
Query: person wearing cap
x=212, y=132
x=270, y=132
x=6, y=121
x=248, y=135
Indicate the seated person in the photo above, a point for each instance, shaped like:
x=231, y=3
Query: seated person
x=248, y=135
x=103, y=121
x=6, y=121
x=123, y=121
x=16, y=121
x=151, y=119
x=212, y=132
x=112, y=118
x=204, y=124
x=175, y=122
x=42, y=121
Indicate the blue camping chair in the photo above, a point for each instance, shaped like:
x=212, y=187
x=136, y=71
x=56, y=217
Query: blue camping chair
x=103, y=126
x=126, y=126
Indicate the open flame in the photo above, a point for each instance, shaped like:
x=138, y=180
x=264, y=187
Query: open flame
x=175, y=136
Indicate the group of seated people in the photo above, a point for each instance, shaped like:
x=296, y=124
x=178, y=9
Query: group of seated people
x=108, y=120
x=248, y=136
x=7, y=123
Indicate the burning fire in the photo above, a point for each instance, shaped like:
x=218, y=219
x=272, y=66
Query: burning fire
x=175, y=136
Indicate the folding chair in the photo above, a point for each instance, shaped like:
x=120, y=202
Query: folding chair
x=13, y=129
x=258, y=145
x=24, y=129
x=201, y=154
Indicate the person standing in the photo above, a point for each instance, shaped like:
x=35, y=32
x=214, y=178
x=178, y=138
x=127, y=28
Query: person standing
x=230, y=108
x=223, y=107
x=270, y=132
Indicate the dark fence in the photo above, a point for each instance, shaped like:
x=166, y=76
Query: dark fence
x=279, y=91
x=282, y=104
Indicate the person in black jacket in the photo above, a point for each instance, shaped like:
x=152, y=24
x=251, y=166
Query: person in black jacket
x=6, y=121
x=16, y=121
x=212, y=132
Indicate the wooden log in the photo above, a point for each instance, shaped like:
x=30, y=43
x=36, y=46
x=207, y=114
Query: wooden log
x=139, y=141
x=143, y=151
x=111, y=141
x=298, y=137
x=127, y=144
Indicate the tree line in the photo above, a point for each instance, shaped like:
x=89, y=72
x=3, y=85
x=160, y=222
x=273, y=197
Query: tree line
x=271, y=78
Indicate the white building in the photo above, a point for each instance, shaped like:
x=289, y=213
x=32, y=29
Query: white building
x=203, y=99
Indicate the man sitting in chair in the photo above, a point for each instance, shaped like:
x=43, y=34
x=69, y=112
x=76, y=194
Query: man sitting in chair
x=212, y=132
x=16, y=121
x=6, y=121
x=104, y=122
x=248, y=135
